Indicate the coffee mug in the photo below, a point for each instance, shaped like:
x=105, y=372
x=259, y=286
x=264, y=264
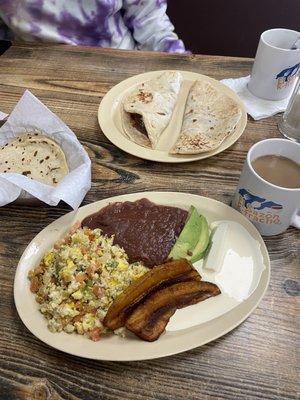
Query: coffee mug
x=275, y=66
x=272, y=209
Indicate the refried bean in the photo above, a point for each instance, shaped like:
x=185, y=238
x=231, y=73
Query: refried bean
x=147, y=231
x=138, y=123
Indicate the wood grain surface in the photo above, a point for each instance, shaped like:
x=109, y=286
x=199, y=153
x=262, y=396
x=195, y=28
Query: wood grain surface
x=258, y=360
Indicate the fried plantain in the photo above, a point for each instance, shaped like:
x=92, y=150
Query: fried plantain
x=150, y=318
x=160, y=276
x=156, y=326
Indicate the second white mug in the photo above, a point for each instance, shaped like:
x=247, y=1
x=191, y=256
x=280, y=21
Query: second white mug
x=275, y=66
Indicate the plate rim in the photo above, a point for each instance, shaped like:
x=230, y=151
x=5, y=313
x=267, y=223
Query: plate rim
x=188, y=346
x=134, y=149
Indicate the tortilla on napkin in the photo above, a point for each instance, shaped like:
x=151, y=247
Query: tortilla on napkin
x=35, y=156
x=147, y=111
x=210, y=116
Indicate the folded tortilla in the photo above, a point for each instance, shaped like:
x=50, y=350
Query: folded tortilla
x=210, y=116
x=35, y=156
x=147, y=111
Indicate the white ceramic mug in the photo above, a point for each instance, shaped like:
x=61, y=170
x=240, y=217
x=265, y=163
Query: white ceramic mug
x=272, y=209
x=276, y=65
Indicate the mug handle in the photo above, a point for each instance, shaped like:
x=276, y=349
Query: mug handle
x=296, y=220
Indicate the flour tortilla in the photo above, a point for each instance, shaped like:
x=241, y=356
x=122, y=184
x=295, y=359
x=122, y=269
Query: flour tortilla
x=154, y=102
x=35, y=156
x=210, y=116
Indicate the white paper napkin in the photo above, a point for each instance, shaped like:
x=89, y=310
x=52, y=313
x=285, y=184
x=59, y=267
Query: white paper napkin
x=2, y=116
x=256, y=107
x=30, y=114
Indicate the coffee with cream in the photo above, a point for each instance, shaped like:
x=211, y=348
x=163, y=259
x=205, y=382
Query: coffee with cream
x=278, y=170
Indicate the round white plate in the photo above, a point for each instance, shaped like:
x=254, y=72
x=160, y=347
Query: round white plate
x=182, y=333
x=109, y=117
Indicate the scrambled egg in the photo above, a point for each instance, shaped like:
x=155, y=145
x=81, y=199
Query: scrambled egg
x=79, y=278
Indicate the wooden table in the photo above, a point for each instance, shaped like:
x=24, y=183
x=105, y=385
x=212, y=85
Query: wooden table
x=258, y=360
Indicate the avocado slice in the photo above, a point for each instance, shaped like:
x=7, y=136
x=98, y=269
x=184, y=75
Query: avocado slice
x=187, y=239
x=203, y=241
x=193, y=239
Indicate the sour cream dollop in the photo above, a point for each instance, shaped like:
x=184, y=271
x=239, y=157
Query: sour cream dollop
x=234, y=261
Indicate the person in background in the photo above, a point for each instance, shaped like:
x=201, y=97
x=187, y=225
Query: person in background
x=123, y=24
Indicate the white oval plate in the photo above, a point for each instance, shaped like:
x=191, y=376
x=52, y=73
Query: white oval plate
x=109, y=117
x=175, y=339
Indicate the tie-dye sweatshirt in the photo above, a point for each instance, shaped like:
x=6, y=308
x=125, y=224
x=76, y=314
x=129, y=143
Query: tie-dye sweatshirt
x=124, y=24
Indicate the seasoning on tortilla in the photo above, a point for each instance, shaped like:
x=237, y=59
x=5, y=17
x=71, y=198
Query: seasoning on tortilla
x=36, y=156
x=147, y=110
x=210, y=116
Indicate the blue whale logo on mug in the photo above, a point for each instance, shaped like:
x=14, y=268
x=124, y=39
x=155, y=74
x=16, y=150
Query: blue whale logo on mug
x=258, y=203
x=291, y=71
x=286, y=76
